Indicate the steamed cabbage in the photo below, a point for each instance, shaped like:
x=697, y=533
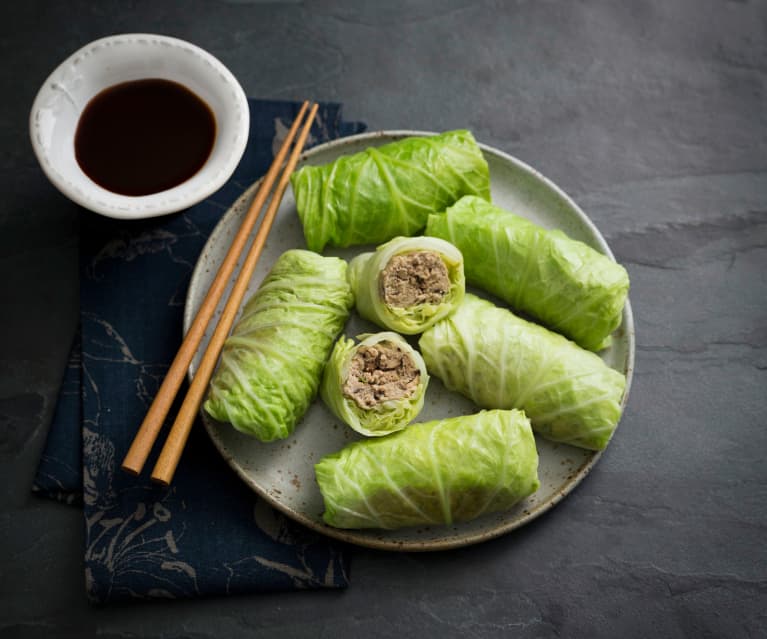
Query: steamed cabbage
x=436, y=472
x=367, y=270
x=271, y=365
x=566, y=284
x=365, y=384
x=498, y=360
x=386, y=191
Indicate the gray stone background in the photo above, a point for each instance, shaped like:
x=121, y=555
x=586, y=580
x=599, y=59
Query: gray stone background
x=652, y=116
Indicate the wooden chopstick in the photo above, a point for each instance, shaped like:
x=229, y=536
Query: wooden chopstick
x=150, y=428
x=174, y=445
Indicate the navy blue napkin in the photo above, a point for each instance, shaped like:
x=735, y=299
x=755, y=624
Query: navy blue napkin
x=208, y=533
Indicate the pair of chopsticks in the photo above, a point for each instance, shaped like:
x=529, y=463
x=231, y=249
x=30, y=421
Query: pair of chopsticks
x=150, y=428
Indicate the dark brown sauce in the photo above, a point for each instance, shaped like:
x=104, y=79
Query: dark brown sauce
x=145, y=136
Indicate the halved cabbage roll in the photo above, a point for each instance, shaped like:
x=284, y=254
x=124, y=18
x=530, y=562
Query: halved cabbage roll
x=408, y=283
x=436, y=472
x=498, y=360
x=386, y=191
x=377, y=386
x=566, y=284
x=271, y=365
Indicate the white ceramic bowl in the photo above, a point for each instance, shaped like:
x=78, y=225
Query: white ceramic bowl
x=123, y=58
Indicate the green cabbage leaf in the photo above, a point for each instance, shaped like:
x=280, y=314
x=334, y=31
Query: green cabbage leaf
x=564, y=283
x=436, y=472
x=365, y=272
x=381, y=419
x=386, y=191
x=499, y=360
x=271, y=365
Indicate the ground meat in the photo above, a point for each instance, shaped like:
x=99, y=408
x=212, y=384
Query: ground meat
x=414, y=278
x=379, y=373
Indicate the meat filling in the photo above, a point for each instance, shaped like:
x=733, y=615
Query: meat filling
x=380, y=373
x=414, y=278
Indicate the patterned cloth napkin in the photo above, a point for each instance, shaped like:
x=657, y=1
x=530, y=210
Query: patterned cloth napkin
x=207, y=533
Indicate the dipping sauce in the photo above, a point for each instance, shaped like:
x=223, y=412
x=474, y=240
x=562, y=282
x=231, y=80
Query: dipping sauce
x=145, y=136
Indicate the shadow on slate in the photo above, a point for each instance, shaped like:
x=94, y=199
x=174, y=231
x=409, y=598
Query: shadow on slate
x=207, y=534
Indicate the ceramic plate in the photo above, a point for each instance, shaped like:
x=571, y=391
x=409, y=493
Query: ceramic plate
x=283, y=472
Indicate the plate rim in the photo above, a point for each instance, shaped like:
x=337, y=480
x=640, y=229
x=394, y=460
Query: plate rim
x=360, y=538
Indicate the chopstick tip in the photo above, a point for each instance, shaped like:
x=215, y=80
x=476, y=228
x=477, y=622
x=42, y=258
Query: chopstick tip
x=131, y=466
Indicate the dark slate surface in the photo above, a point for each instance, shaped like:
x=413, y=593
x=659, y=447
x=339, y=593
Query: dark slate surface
x=652, y=116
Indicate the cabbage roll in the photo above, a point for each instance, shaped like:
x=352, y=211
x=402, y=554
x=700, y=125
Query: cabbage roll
x=565, y=284
x=386, y=191
x=271, y=365
x=408, y=283
x=498, y=360
x=436, y=472
x=377, y=386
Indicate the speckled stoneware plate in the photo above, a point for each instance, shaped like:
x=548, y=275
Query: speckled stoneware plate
x=283, y=472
